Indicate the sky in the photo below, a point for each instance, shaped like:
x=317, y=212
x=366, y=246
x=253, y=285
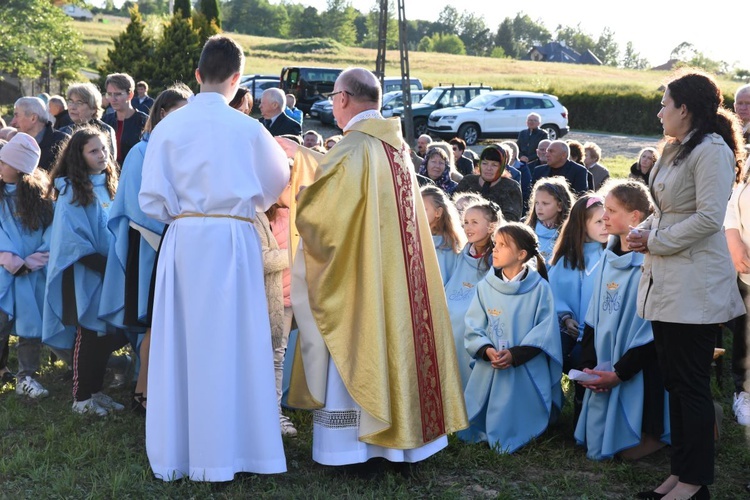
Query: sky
x=654, y=27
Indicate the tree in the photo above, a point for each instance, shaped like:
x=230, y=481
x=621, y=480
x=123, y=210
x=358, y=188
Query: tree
x=373, y=23
x=683, y=52
x=506, y=39
x=46, y=47
x=575, y=38
x=606, y=48
x=632, y=59
x=182, y=8
x=426, y=45
x=257, y=17
x=448, y=21
x=210, y=9
x=447, y=44
x=529, y=32
x=307, y=25
x=700, y=60
x=176, y=55
x=133, y=51
x=338, y=22
x=475, y=34
x=205, y=28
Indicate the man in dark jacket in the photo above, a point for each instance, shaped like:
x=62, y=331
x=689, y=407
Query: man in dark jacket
x=272, y=106
x=30, y=117
x=58, y=111
x=559, y=164
x=141, y=100
x=528, y=139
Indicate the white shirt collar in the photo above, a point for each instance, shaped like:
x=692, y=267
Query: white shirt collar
x=368, y=114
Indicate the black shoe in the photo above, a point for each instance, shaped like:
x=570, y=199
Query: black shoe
x=650, y=495
x=702, y=494
x=138, y=403
x=7, y=378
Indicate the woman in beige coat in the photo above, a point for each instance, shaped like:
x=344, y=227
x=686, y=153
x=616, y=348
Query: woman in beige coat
x=688, y=283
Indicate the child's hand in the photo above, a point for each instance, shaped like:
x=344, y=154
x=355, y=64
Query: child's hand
x=605, y=382
x=492, y=354
x=504, y=360
x=571, y=326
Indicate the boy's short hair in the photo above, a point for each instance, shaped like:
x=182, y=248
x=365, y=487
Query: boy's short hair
x=142, y=84
x=122, y=81
x=221, y=58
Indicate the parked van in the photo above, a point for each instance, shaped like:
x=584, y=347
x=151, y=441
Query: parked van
x=391, y=83
x=308, y=84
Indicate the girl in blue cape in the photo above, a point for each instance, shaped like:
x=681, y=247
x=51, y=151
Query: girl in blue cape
x=135, y=239
x=511, y=331
x=447, y=235
x=549, y=207
x=85, y=181
x=572, y=275
x=480, y=221
x=25, y=217
x=623, y=408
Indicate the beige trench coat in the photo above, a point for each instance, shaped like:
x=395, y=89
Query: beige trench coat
x=688, y=276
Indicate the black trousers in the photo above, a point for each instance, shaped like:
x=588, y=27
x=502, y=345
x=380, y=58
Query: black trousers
x=90, y=355
x=685, y=353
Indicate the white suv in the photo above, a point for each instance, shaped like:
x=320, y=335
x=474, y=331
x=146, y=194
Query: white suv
x=499, y=114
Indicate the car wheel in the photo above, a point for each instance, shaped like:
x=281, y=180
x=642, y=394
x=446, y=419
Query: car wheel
x=469, y=132
x=420, y=127
x=552, y=132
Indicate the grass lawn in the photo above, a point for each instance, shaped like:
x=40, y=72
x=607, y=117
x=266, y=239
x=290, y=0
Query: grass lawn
x=48, y=452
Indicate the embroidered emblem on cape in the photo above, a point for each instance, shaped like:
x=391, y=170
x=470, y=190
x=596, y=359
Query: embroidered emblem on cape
x=466, y=284
x=461, y=294
x=494, y=312
x=425, y=355
x=611, y=301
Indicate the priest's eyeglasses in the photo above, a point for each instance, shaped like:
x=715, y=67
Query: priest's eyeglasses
x=330, y=96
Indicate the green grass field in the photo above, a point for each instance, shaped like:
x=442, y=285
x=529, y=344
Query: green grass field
x=46, y=451
x=432, y=68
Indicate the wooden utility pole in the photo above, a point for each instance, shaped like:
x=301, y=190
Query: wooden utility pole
x=403, y=49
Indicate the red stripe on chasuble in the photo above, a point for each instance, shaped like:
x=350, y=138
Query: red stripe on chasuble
x=428, y=374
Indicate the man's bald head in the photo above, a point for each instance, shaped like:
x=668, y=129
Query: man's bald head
x=362, y=85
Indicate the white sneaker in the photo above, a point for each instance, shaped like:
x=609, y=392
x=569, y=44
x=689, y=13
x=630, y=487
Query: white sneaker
x=106, y=402
x=89, y=406
x=27, y=386
x=287, y=427
x=741, y=407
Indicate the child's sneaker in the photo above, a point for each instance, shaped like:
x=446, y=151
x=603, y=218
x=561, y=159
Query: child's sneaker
x=89, y=407
x=741, y=407
x=106, y=402
x=287, y=427
x=27, y=386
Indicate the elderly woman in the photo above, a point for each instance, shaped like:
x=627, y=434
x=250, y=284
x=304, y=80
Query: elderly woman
x=438, y=168
x=640, y=170
x=688, y=285
x=491, y=184
x=85, y=107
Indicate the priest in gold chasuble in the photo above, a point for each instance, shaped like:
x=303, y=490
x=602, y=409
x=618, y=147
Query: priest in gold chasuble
x=375, y=357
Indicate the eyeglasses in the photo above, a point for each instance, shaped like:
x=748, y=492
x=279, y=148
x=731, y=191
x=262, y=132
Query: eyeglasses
x=115, y=95
x=77, y=104
x=330, y=96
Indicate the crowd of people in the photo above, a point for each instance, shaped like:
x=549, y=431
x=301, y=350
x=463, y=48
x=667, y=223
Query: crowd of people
x=400, y=295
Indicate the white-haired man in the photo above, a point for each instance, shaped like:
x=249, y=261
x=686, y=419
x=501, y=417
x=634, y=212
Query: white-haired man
x=528, y=139
x=272, y=106
x=30, y=116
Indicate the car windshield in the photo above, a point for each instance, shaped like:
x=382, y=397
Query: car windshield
x=432, y=96
x=481, y=101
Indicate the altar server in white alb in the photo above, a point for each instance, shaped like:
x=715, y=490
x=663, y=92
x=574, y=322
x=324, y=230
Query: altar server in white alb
x=207, y=170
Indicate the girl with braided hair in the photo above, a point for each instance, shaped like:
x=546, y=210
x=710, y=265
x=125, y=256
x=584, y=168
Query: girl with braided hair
x=511, y=333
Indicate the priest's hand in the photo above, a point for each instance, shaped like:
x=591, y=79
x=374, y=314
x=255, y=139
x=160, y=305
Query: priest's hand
x=290, y=147
x=605, y=382
x=504, y=360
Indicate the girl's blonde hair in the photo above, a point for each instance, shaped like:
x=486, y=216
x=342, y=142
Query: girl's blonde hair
x=494, y=216
x=558, y=188
x=449, y=225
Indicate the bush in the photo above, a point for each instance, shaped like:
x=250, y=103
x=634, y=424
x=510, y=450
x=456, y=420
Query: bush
x=624, y=113
x=305, y=45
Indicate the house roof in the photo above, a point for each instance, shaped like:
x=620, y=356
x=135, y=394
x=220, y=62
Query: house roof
x=557, y=52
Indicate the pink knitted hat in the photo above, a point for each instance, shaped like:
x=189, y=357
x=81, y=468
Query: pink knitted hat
x=22, y=153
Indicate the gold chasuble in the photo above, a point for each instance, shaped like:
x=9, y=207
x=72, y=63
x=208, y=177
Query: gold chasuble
x=375, y=293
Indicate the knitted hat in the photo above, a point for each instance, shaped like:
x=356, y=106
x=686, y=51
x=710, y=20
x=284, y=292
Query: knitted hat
x=22, y=153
